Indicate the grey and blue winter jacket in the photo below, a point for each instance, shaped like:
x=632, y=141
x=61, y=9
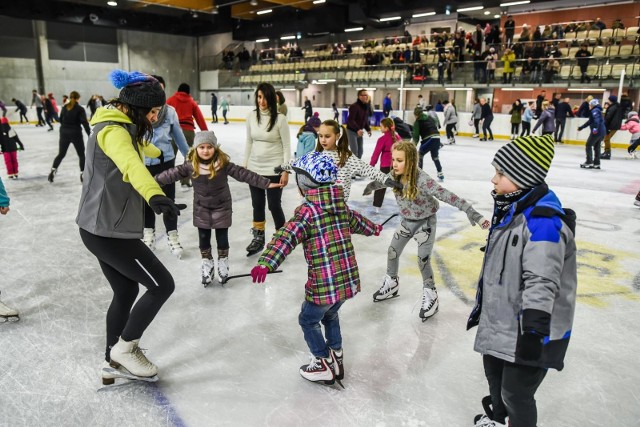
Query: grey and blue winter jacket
x=596, y=121
x=165, y=130
x=528, y=281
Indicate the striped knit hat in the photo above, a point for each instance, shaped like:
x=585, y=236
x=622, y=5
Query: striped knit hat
x=526, y=160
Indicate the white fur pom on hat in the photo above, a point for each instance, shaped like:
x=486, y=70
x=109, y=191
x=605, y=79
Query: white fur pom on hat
x=205, y=137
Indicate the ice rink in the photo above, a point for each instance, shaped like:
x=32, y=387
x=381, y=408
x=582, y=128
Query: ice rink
x=229, y=356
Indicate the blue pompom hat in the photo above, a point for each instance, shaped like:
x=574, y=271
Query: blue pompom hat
x=314, y=170
x=138, y=89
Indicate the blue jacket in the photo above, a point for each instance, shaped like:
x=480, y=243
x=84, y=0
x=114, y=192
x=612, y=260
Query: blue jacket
x=306, y=143
x=164, y=133
x=596, y=121
x=528, y=115
x=386, y=104
x=4, y=198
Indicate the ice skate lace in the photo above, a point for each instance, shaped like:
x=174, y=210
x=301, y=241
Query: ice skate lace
x=138, y=353
x=485, y=422
x=388, y=284
x=223, y=267
x=427, y=298
x=314, y=364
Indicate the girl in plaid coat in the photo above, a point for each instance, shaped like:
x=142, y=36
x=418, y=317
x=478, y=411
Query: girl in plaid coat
x=324, y=225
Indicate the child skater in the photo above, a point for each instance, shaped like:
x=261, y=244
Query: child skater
x=427, y=136
x=383, y=152
x=308, y=135
x=6, y=313
x=527, y=289
x=324, y=225
x=209, y=168
x=333, y=141
x=598, y=132
x=418, y=207
x=633, y=126
x=9, y=143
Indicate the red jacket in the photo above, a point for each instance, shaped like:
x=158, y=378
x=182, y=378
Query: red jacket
x=383, y=150
x=187, y=110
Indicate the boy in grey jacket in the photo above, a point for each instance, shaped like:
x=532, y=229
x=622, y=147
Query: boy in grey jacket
x=526, y=294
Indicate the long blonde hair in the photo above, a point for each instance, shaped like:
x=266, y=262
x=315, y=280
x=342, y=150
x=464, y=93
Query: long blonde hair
x=219, y=160
x=410, y=191
x=342, y=145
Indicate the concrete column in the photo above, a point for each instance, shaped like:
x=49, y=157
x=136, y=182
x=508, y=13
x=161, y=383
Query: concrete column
x=123, y=50
x=42, y=52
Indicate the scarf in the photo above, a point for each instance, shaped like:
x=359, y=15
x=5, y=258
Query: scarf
x=503, y=203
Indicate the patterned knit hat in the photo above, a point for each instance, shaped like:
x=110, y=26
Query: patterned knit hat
x=314, y=170
x=138, y=89
x=526, y=160
x=205, y=137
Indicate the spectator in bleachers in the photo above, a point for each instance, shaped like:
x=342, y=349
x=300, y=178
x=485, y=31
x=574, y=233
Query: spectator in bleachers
x=407, y=37
x=518, y=50
x=528, y=73
x=546, y=33
x=442, y=63
x=357, y=120
x=254, y=56
x=537, y=35
x=479, y=67
x=491, y=60
x=617, y=24
x=563, y=110
x=477, y=38
x=525, y=35
x=581, y=26
x=415, y=55
x=348, y=49
x=551, y=68
x=244, y=59
x=458, y=48
x=508, y=58
x=395, y=57
x=417, y=41
x=598, y=25
x=509, y=30
x=583, y=56
x=406, y=55
x=583, y=111
x=571, y=27
x=451, y=58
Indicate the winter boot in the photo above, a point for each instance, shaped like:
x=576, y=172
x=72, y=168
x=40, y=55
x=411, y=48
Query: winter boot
x=429, y=303
x=338, y=366
x=51, y=175
x=174, y=243
x=257, y=244
x=440, y=176
x=389, y=289
x=128, y=355
x=8, y=313
x=223, y=265
x=318, y=370
x=606, y=155
x=208, y=267
x=149, y=238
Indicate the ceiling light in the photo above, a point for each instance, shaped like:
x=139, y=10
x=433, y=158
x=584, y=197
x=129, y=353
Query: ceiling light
x=586, y=89
x=517, y=89
x=513, y=3
x=265, y=11
x=262, y=40
x=496, y=16
x=420, y=15
x=253, y=2
x=487, y=12
x=287, y=37
x=390, y=18
x=458, y=88
x=112, y=3
x=286, y=89
x=326, y=80
x=319, y=1
x=470, y=9
x=350, y=30
x=409, y=88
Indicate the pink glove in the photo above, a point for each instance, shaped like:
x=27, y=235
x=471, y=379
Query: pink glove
x=377, y=230
x=259, y=273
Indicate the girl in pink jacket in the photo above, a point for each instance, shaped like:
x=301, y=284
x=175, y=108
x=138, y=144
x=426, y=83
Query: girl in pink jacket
x=382, y=152
x=633, y=126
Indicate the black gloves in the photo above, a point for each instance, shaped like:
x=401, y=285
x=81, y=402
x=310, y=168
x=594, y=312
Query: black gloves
x=278, y=169
x=164, y=205
x=530, y=346
x=392, y=183
x=536, y=326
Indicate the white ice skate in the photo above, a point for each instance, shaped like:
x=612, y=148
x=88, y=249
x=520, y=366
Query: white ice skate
x=388, y=290
x=128, y=361
x=318, y=370
x=223, y=269
x=8, y=314
x=485, y=421
x=174, y=243
x=429, y=303
x=208, y=267
x=149, y=238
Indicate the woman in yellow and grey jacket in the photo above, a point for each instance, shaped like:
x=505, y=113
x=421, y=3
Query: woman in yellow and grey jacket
x=116, y=186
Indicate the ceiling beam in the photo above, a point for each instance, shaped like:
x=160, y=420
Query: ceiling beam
x=198, y=5
x=298, y=4
x=246, y=11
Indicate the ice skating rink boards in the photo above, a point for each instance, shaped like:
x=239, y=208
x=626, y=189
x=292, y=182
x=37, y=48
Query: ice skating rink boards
x=230, y=356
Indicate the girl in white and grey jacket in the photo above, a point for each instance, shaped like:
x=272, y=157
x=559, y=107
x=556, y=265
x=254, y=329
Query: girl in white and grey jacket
x=476, y=116
x=450, y=120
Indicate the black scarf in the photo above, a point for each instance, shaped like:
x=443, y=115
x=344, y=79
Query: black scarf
x=503, y=202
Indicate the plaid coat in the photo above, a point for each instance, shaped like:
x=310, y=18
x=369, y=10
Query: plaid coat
x=323, y=224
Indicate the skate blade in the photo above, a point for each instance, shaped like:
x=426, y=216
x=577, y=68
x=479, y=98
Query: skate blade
x=123, y=373
x=424, y=319
x=395, y=295
x=9, y=319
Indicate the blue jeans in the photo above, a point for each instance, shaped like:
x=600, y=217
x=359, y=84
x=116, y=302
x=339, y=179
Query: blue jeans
x=309, y=319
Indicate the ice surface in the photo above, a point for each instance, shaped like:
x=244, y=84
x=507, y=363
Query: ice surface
x=230, y=355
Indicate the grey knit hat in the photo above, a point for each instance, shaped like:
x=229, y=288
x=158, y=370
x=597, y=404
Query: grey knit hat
x=205, y=137
x=138, y=89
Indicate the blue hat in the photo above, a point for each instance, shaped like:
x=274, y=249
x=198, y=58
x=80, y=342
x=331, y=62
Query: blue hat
x=613, y=98
x=314, y=170
x=593, y=102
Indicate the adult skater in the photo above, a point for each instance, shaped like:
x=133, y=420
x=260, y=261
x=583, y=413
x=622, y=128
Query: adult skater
x=6, y=313
x=214, y=107
x=268, y=146
x=72, y=119
x=357, y=120
x=111, y=216
x=22, y=109
x=526, y=294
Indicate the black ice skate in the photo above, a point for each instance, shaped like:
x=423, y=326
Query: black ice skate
x=257, y=244
x=388, y=290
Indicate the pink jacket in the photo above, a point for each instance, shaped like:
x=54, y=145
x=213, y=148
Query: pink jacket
x=633, y=126
x=383, y=150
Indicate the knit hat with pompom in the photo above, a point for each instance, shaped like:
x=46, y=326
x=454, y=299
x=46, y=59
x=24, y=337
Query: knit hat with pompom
x=138, y=89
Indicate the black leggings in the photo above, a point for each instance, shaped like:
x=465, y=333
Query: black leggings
x=449, y=130
x=526, y=128
x=378, y=195
x=486, y=126
x=170, y=223
x=430, y=145
x=273, y=200
x=222, y=238
x=515, y=128
x=67, y=138
x=126, y=263
x=24, y=114
x=475, y=124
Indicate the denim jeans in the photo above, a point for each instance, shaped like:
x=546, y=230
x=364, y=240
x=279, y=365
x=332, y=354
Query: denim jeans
x=309, y=319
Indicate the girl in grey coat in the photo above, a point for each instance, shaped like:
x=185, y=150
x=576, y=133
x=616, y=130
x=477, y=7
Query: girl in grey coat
x=209, y=168
x=450, y=120
x=547, y=119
